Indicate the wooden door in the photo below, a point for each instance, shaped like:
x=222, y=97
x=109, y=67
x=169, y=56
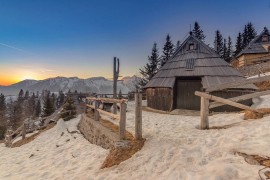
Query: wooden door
x=186, y=99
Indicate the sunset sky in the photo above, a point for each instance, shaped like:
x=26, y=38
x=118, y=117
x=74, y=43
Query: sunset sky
x=48, y=38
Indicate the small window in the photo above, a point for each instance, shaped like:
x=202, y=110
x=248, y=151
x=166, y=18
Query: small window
x=191, y=46
x=265, y=38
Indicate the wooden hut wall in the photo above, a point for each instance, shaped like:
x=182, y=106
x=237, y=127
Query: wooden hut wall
x=229, y=94
x=160, y=98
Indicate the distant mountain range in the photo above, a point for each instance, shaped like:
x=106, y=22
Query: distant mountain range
x=99, y=85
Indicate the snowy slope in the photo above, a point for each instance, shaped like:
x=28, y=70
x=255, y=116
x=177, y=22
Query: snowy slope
x=91, y=85
x=174, y=149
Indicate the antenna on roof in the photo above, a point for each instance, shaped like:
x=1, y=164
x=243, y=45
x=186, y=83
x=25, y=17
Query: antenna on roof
x=190, y=32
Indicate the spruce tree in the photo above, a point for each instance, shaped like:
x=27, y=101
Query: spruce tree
x=229, y=50
x=3, y=121
x=198, y=32
x=21, y=96
x=218, y=43
x=178, y=44
x=168, y=50
x=47, y=106
x=151, y=68
x=31, y=104
x=2, y=106
x=38, y=109
x=238, y=44
x=26, y=96
x=251, y=32
x=224, y=49
x=245, y=37
x=61, y=99
x=69, y=110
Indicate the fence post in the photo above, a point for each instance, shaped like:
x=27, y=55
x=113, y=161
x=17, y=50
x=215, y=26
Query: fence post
x=138, y=116
x=204, y=113
x=122, y=123
x=23, y=130
x=96, y=113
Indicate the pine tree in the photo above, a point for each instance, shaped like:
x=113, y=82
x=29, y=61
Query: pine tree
x=218, y=43
x=3, y=121
x=251, y=32
x=38, y=109
x=2, y=106
x=198, y=32
x=17, y=116
x=229, y=50
x=61, y=99
x=168, y=50
x=47, y=106
x=69, y=110
x=224, y=50
x=26, y=96
x=238, y=44
x=53, y=99
x=31, y=104
x=178, y=44
x=151, y=68
x=245, y=37
x=21, y=96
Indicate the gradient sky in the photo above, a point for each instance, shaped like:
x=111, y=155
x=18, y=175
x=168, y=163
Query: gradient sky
x=47, y=38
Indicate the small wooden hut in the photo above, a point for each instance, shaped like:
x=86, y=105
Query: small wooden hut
x=193, y=67
x=258, y=51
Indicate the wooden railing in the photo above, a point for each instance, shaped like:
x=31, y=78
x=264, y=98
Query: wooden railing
x=206, y=97
x=93, y=103
x=21, y=131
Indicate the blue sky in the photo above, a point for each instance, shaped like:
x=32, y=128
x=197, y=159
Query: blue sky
x=41, y=39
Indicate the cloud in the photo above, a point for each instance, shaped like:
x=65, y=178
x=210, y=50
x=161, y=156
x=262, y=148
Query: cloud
x=46, y=70
x=12, y=47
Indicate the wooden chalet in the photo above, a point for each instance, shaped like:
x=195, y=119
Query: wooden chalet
x=193, y=67
x=258, y=51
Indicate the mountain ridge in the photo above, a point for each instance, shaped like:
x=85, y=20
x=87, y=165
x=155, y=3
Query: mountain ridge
x=99, y=85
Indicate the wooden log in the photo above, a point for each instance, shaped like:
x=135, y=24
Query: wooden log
x=237, y=83
x=138, y=116
x=204, y=113
x=8, y=140
x=90, y=106
x=23, y=131
x=96, y=115
x=122, y=122
x=108, y=100
x=225, y=101
x=240, y=98
x=108, y=114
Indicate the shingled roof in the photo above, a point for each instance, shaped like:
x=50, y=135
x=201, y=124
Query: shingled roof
x=256, y=45
x=202, y=61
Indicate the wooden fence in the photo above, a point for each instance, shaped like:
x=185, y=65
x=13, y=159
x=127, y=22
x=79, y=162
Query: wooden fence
x=94, y=104
x=206, y=97
x=9, y=138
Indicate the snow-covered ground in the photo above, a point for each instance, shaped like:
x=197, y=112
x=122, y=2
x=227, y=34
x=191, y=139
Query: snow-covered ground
x=174, y=149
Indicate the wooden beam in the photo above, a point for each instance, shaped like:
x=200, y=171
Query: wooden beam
x=91, y=106
x=240, y=98
x=138, y=116
x=238, y=83
x=225, y=101
x=108, y=114
x=122, y=122
x=23, y=131
x=107, y=100
x=204, y=113
x=96, y=114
